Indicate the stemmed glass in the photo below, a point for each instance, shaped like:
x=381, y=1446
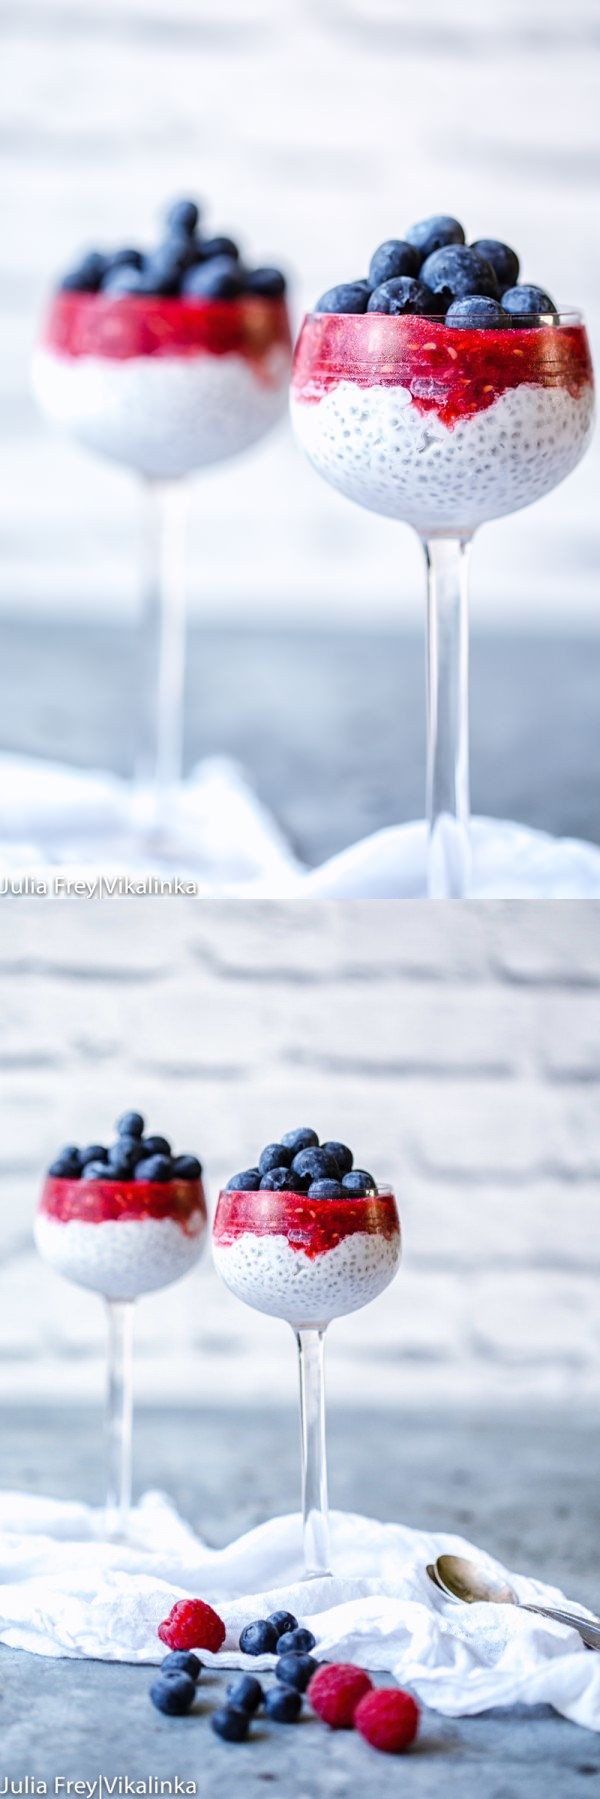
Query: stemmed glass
x=120, y=1238
x=443, y=428
x=308, y=1261
x=165, y=386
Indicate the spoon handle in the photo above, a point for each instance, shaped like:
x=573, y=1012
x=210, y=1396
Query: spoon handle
x=587, y=1629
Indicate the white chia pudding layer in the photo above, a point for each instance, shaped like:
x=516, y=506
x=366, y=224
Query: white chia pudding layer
x=381, y=450
x=272, y=1277
x=121, y=1260
x=163, y=415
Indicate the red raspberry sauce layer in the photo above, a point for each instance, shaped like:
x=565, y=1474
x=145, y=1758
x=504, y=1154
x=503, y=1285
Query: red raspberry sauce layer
x=314, y=1225
x=453, y=373
x=110, y=1202
x=134, y=325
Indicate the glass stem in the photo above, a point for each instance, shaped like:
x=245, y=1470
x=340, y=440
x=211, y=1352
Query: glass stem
x=449, y=858
x=315, y=1514
x=162, y=649
x=119, y=1412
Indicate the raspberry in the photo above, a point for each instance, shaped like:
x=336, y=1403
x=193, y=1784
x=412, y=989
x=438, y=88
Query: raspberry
x=388, y=1719
x=192, y=1624
x=334, y=1693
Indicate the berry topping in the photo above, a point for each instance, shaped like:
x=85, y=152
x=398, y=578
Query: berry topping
x=302, y=1139
x=88, y=275
x=125, y=280
x=218, y=246
x=130, y=1125
x=102, y=1171
x=283, y=1621
x=182, y=1661
x=284, y=1704
x=349, y=296
x=183, y=216
x=276, y=1155
x=192, y=1624
x=358, y=1183
x=476, y=309
x=335, y=1691
x=504, y=261
x=296, y=1671
x=231, y=1723
x=269, y=282
x=156, y=1146
x=66, y=1164
x=220, y=279
x=282, y=1180
x=455, y=271
x=153, y=1168
x=187, y=1168
x=388, y=1719
x=259, y=1638
x=246, y=1182
x=326, y=1190
x=404, y=294
x=341, y=1154
x=318, y=1164
x=527, y=302
x=434, y=233
x=296, y=1642
x=394, y=257
x=95, y=1152
x=174, y=1693
x=246, y=1692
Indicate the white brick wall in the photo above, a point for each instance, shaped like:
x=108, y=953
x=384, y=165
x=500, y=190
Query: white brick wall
x=457, y=1048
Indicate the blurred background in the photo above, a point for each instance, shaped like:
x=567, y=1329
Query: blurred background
x=460, y=1058
x=312, y=131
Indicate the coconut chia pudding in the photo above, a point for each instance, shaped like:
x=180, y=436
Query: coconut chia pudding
x=303, y=1244
x=440, y=389
x=123, y=1221
x=170, y=359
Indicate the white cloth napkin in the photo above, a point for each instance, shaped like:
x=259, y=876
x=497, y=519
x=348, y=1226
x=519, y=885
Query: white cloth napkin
x=64, y=1591
x=217, y=833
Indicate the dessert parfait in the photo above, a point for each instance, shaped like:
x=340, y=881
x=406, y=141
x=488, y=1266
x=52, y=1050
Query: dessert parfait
x=123, y=1220
x=170, y=358
x=305, y=1235
x=440, y=389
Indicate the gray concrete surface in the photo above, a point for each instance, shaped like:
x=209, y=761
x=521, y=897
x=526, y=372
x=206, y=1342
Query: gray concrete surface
x=330, y=726
x=526, y=1487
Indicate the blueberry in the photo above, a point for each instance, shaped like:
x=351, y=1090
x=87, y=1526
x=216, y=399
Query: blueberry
x=343, y=1155
x=284, y=1704
x=456, y=271
x=393, y=258
x=434, y=233
x=87, y=276
x=210, y=247
x=302, y=1139
x=183, y=216
x=283, y=1621
x=527, y=301
x=246, y=1692
x=100, y=1171
x=296, y=1642
x=183, y=1660
x=130, y=1125
x=269, y=282
x=281, y=1180
x=66, y=1165
x=130, y=1149
x=348, y=296
x=173, y=1695
x=476, y=310
x=358, y=1184
x=259, y=1638
x=125, y=281
x=318, y=1164
x=187, y=1168
x=119, y=1168
x=163, y=270
x=326, y=1190
x=296, y=1671
x=95, y=1152
x=276, y=1155
x=402, y=295
x=246, y=1182
x=231, y=1723
x=504, y=261
x=220, y=279
x=156, y=1146
x=126, y=259
x=153, y=1168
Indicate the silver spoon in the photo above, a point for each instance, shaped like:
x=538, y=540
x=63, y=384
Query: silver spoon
x=464, y=1580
